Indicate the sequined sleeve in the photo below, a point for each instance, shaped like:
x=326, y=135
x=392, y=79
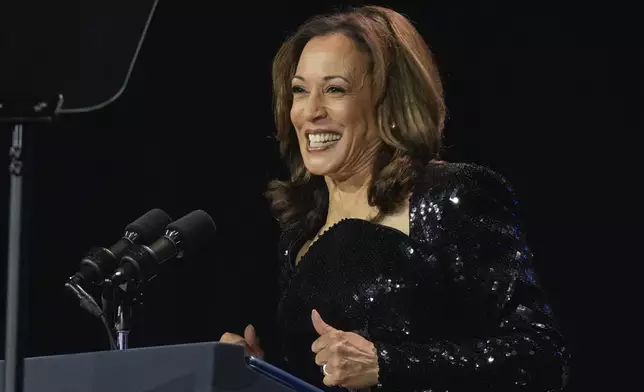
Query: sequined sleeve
x=509, y=340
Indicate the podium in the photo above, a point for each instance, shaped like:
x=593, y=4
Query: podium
x=199, y=367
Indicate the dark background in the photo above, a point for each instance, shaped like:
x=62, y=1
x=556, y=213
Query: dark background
x=535, y=91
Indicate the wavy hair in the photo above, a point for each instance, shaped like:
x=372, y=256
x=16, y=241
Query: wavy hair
x=410, y=112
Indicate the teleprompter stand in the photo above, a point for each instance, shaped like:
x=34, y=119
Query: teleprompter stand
x=56, y=49
x=17, y=114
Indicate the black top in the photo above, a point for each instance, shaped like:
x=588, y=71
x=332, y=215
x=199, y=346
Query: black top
x=453, y=306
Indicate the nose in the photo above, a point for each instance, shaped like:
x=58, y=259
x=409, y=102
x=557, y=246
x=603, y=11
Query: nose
x=314, y=109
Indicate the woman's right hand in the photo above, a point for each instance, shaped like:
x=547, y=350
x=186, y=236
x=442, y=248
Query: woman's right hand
x=250, y=341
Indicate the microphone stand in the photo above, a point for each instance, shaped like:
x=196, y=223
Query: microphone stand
x=18, y=114
x=122, y=323
x=123, y=316
x=120, y=302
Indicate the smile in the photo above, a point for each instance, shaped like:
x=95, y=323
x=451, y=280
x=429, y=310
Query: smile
x=322, y=141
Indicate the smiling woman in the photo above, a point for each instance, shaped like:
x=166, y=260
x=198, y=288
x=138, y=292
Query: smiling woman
x=399, y=272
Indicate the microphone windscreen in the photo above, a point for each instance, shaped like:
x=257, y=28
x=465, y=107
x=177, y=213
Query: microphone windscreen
x=150, y=226
x=196, y=230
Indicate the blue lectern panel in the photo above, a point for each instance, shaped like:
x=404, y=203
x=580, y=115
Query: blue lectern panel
x=201, y=367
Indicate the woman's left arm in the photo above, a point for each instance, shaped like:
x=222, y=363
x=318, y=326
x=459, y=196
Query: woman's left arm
x=479, y=242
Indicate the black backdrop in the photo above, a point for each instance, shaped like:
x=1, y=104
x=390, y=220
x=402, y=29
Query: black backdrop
x=533, y=92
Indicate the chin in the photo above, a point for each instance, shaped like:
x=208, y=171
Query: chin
x=320, y=168
x=321, y=164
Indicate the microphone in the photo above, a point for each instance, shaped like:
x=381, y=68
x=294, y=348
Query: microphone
x=183, y=237
x=99, y=261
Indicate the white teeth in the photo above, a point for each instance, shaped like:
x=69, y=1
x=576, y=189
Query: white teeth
x=318, y=139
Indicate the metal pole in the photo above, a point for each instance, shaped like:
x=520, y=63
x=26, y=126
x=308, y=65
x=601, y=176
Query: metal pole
x=122, y=327
x=12, y=359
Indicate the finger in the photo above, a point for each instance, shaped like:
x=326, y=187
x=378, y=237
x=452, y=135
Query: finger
x=252, y=341
x=321, y=343
x=322, y=357
x=320, y=326
x=329, y=381
x=336, y=373
x=231, y=338
x=330, y=377
x=251, y=336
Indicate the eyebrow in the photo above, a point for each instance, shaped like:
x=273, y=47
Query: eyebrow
x=326, y=78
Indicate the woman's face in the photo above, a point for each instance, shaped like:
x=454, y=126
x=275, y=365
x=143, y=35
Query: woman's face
x=333, y=108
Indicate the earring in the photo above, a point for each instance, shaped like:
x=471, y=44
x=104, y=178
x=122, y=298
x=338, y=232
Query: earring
x=393, y=125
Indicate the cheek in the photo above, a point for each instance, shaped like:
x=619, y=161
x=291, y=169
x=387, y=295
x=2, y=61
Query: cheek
x=357, y=112
x=345, y=114
x=293, y=116
x=296, y=115
x=361, y=122
x=296, y=121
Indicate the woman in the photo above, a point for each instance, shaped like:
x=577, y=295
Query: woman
x=399, y=272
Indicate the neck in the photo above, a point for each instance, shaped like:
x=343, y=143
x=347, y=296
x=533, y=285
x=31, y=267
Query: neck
x=349, y=197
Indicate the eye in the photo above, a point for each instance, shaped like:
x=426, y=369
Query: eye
x=297, y=90
x=335, y=90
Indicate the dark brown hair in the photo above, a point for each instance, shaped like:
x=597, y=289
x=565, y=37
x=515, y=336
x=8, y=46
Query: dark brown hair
x=409, y=107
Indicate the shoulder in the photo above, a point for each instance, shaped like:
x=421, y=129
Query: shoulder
x=452, y=178
x=461, y=197
x=451, y=182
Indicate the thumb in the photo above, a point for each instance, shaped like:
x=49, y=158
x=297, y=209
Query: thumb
x=320, y=326
x=250, y=335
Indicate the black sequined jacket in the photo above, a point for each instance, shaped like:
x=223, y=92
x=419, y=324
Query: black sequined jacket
x=454, y=306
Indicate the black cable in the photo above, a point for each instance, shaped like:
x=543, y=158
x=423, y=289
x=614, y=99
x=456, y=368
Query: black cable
x=88, y=303
x=110, y=335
